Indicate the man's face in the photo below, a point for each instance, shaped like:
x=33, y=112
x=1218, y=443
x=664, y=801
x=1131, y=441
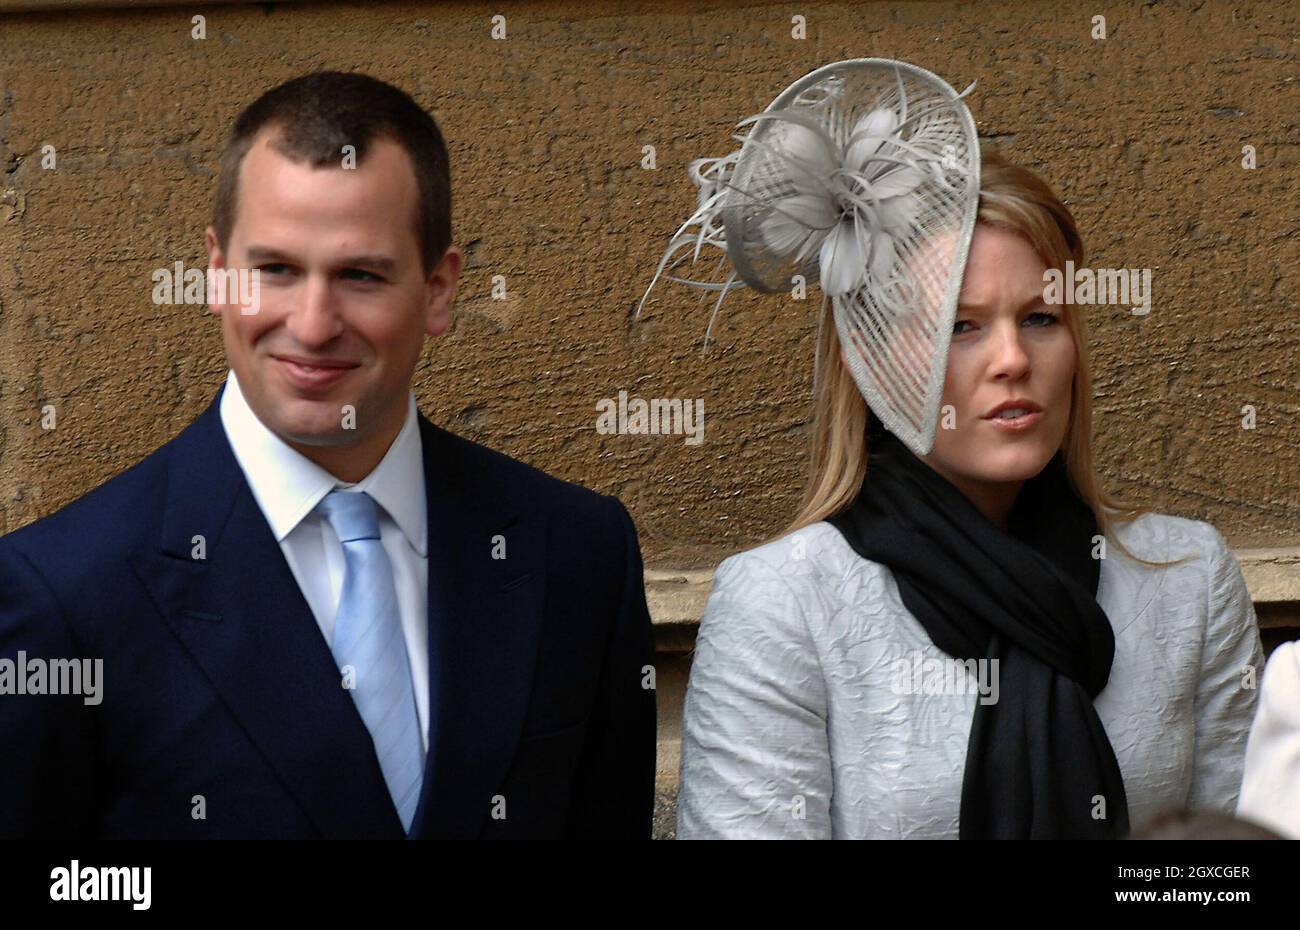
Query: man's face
x=342, y=288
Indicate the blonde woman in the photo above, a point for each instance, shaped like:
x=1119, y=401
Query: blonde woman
x=978, y=641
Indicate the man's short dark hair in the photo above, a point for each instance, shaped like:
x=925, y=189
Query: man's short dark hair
x=314, y=116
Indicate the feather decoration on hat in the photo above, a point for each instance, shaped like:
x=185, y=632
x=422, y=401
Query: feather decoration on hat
x=862, y=176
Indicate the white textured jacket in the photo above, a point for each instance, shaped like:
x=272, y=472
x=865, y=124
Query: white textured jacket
x=798, y=723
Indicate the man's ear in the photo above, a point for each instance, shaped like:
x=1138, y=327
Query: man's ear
x=441, y=290
x=216, y=259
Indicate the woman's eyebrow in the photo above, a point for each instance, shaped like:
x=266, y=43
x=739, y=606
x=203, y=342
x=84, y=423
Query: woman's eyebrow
x=1032, y=301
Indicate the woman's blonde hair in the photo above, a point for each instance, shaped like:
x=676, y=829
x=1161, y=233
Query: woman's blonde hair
x=1015, y=199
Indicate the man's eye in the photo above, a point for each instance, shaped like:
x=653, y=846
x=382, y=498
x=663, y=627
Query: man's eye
x=356, y=274
x=272, y=268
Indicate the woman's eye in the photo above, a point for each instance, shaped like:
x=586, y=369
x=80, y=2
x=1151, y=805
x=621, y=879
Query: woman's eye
x=1042, y=318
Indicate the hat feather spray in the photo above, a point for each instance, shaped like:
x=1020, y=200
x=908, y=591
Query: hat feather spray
x=862, y=176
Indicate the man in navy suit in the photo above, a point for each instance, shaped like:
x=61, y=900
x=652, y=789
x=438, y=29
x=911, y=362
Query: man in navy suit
x=318, y=614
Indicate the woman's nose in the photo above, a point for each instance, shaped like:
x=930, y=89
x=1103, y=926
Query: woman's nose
x=1010, y=357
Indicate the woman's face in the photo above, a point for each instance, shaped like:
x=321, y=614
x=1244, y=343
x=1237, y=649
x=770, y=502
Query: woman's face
x=1007, y=345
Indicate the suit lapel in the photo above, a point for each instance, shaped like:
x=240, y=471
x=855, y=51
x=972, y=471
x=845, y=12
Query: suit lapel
x=243, y=619
x=485, y=617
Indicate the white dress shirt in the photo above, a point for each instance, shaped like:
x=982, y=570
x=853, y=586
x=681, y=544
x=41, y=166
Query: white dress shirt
x=1270, y=786
x=287, y=487
x=795, y=724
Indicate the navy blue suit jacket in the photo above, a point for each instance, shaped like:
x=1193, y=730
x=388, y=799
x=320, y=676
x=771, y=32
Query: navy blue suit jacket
x=217, y=682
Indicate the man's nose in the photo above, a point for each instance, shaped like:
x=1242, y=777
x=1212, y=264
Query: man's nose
x=314, y=319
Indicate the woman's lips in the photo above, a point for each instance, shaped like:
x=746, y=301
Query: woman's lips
x=309, y=378
x=1016, y=424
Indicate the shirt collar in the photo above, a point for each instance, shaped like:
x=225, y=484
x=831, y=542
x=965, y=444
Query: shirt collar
x=287, y=485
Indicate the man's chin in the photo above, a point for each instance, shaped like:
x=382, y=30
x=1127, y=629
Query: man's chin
x=313, y=423
x=298, y=419
x=308, y=434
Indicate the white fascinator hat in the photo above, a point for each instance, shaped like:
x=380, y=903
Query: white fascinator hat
x=862, y=177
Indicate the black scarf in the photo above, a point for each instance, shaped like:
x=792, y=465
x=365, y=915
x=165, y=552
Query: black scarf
x=1037, y=758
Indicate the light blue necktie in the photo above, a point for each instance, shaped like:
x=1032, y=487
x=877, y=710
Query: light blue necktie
x=368, y=637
